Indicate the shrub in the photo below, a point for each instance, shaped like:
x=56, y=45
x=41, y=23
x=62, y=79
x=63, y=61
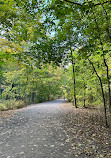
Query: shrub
x=12, y=104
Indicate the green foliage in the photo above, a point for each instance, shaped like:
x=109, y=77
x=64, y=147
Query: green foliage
x=11, y=104
x=87, y=84
x=31, y=84
x=37, y=35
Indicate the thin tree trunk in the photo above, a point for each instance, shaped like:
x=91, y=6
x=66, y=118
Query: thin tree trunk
x=109, y=89
x=102, y=90
x=105, y=63
x=106, y=16
x=84, y=95
x=33, y=97
x=0, y=88
x=74, y=81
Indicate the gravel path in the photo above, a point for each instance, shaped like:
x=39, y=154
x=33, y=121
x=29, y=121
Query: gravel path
x=52, y=130
x=35, y=132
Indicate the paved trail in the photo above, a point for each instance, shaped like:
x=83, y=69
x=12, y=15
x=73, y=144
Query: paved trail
x=53, y=130
x=35, y=132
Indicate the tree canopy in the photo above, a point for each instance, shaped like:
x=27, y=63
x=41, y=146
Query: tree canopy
x=72, y=35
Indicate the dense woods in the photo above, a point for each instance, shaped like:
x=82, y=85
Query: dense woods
x=53, y=49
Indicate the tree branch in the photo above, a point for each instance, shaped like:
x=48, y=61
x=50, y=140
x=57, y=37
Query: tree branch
x=102, y=3
x=86, y=2
x=73, y=2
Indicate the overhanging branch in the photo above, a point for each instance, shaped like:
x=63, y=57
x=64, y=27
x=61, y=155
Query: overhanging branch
x=79, y=4
x=102, y=3
x=73, y=2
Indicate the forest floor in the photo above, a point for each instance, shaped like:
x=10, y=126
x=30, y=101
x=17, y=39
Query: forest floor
x=54, y=129
x=6, y=114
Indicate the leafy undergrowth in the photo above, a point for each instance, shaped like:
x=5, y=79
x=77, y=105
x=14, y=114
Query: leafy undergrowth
x=8, y=107
x=11, y=104
x=87, y=133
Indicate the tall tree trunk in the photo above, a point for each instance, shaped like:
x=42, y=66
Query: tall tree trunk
x=106, y=16
x=74, y=81
x=0, y=88
x=104, y=60
x=84, y=95
x=103, y=96
x=109, y=89
x=33, y=97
